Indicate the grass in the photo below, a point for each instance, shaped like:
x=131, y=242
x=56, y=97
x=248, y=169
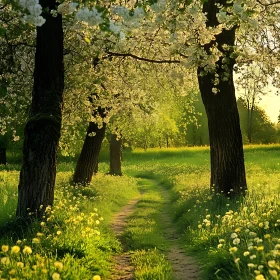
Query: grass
x=233, y=239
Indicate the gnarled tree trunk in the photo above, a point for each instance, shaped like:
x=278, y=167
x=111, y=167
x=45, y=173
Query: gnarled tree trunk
x=42, y=131
x=115, y=155
x=87, y=163
x=226, y=148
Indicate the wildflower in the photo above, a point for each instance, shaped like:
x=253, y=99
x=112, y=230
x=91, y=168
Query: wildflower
x=15, y=249
x=253, y=257
x=222, y=241
x=233, y=249
x=220, y=246
x=245, y=254
x=27, y=250
x=96, y=277
x=260, y=248
x=18, y=242
x=44, y=270
x=199, y=226
x=20, y=264
x=35, y=240
x=271, y=263
x=233, y=235
x=267, y=236
x=40, y=234
x=12, y=271
x=58, y=265
x=260, y=277
x=251, y=265
x=56, y=276
x=43, y=224
x=237, y=260
x=5, y=248
x=97, y=222
x=5, y=260
x=273, y=273
x=236, y=241
x=59, y=232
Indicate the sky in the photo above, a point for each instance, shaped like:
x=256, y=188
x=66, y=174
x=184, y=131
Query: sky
x=271, y=104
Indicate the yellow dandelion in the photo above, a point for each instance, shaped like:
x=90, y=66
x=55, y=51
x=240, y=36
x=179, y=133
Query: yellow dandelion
x=58, y=265
x=20, y=264
x=35, y=240
x=260, y=248
x=260, y=277
x=96, y=277
x=42, y=224
x=273, y=273
x=44, y=270
x=267, y=236
x=15, y=249
x=233, y=249
x=12, y=272
x=5, y=260
x=5, y=248
x=40, y=234
x=271, y=263
x=56, y=276
x=59, y=232
x=27, y=250
x=245, y=254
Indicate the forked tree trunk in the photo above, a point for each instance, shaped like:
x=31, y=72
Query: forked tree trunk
x=87, y=163
x=115, y=155
x=42, y=131
x=226, y=148
x=3, y=156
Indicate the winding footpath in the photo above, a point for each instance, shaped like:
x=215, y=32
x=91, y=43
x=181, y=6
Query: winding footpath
x=183, y=267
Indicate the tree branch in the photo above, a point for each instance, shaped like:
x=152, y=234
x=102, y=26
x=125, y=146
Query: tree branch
x=142, y=58
x=268, y=4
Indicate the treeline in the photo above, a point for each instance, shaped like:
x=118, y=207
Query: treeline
x=256, y=128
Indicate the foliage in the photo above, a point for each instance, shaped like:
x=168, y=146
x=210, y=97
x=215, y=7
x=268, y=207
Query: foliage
x=72, y=241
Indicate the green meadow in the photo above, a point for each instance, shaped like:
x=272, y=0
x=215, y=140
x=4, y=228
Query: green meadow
x=230, y=239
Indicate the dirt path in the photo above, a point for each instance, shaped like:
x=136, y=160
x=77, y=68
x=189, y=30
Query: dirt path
x=183, y=267
x=123, y=270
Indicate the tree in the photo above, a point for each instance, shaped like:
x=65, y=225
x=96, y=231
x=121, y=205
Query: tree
x=115, y=154
x=42, y=131
x=252, y=82
x=87, y=163
x=226, y=148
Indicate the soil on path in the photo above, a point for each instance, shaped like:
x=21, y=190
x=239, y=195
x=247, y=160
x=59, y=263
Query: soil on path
x=123, y=269
x=183, y=267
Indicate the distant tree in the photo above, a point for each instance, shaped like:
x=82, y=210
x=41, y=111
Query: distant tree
x=115, y=154
x=263, y=130
x=252, y=83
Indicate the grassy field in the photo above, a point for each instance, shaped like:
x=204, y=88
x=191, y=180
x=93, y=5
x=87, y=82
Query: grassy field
x=232, y=239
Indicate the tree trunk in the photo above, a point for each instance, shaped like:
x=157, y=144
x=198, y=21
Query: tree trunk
x=42, y=131
x=226, y=148
x=3, y=156
x=115, y=155
x=88, y=160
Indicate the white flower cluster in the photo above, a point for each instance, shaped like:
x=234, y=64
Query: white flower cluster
x=35, y=10
x=67, y=8
x=159, y=6
x=92, y=17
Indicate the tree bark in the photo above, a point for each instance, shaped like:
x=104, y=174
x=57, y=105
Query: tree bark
x=115, y=155
x=87, y=163
x=3, y=156
x=42, y=131
x=226, y=148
